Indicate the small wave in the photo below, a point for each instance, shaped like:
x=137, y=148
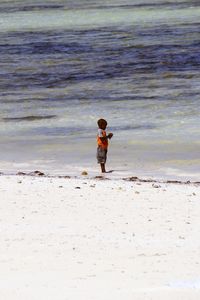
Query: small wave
x=85, y=5
x=135, y=127
x=58, y=131
x=29, y=118
x=26, y=8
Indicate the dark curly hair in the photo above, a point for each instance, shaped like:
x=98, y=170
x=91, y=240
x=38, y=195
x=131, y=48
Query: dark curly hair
x=101, y=122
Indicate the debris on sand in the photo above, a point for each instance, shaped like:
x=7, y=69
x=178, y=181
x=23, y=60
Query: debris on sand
x=156, y=186
x=21, y=173
x=84, y=173
x=36, y=173
x=133, y=178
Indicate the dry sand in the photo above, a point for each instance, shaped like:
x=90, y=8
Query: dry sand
x=90, y=239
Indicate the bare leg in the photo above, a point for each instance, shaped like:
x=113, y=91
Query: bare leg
x=103, y=170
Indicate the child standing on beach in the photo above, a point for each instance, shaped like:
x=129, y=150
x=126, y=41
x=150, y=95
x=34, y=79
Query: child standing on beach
x=102, y=143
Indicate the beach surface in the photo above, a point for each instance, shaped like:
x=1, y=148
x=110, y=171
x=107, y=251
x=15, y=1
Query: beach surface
x=98, y=238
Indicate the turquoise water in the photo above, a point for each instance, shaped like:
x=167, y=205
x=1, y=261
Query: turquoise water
x=65, y=64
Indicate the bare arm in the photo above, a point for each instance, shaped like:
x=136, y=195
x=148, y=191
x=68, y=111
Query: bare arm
x=109, y=136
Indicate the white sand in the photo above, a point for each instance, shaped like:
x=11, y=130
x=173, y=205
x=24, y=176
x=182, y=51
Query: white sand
x=107, y=240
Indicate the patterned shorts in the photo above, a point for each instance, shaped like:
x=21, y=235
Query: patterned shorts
x=101, y=155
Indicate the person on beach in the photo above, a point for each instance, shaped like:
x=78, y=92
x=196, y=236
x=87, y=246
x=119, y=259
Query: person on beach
x=102, y=144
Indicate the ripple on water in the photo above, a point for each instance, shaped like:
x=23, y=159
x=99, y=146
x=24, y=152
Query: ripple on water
x=28, y=118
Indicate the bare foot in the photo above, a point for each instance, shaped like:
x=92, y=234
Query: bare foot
x=110, y=171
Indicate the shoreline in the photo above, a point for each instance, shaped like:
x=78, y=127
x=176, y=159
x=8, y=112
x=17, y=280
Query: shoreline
x=86, y=176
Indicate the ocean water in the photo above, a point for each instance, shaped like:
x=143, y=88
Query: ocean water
x=65, y=64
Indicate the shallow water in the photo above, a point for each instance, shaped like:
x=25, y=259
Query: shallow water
x=63, y=65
